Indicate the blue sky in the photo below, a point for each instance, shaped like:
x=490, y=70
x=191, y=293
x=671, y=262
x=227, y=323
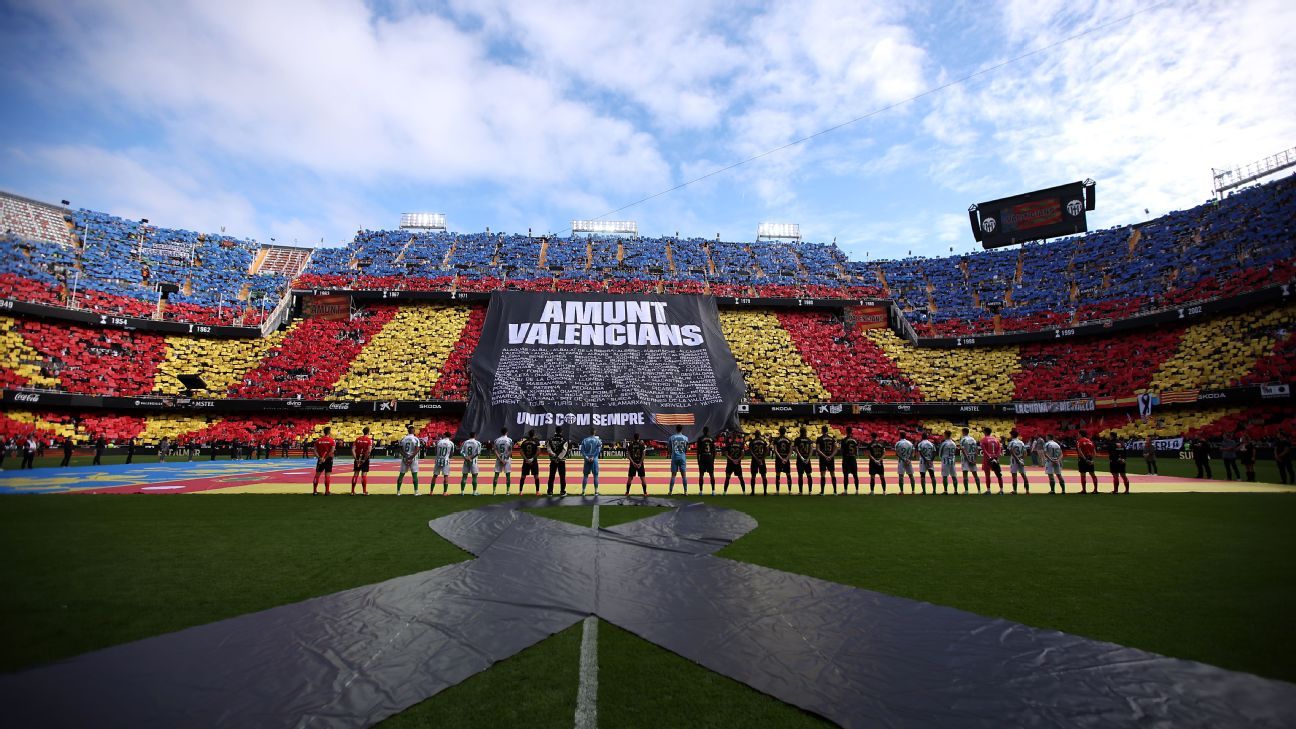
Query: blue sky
x=304, y=121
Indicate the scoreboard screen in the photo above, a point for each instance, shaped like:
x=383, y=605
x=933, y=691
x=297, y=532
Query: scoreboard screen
x=1034, y=215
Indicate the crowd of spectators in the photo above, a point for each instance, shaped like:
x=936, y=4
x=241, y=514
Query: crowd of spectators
x=1225, y=351
x=404, y=361
x=79, y=359
x=1219, y=248
x=422, y=351
x=311, y=359
x=772, y=367
x=109, y=264
x=851, y=368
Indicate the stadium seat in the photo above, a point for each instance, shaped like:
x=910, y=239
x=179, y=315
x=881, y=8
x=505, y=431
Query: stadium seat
x=453, y=382
x=90, y=360
x=221, y=363
x=1221, y=352
x=311, y=358
x=851, y=368
x=403, y=361
x=770, y=363
x=970, y=374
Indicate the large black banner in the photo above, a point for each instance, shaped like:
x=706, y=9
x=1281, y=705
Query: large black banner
x=614, y=364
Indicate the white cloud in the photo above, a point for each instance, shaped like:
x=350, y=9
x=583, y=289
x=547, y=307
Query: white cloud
x=333, y=90
x=1146, y=107
x=759, y=76
x=136, y=184
x=290, y=120
x=667, y=57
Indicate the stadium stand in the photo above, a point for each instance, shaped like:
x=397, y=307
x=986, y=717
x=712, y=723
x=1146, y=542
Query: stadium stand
x=851, y=368
x=770, y=363
x=418, y=351
x=404, y=360
x=32, y=220
x=287, y=261
x=85, y=360
x=1120, y=364
x=221, y=363
x=312, y=357
x=421, y=351
x=454, y=379
x=117, y=266
x=1215, y=249
x=1222, y=352
x=1278, y=366
x=20, y=364
x=953, y=375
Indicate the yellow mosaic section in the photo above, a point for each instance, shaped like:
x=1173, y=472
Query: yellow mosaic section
x=999, y=426
x=17, y=355
x=220, y=362
x=171, y=425
x=769, y=359
x=404, y=360
x=1174, y=422
x=1218, y=352
x=982, y=374
x=62, y=430
x=383, y=430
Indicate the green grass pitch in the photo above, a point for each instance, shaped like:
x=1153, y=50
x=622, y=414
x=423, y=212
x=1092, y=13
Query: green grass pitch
x=1201, y=576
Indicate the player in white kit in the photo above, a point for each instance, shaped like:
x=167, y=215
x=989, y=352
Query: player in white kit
x=503, y=447
x=1053, y=462
x=409, y=447
x=948, y=452
x=904, y=450
x=968, y=449
x=1017, y=450
x=443, y=449
x=926, y=462
x=470, y=449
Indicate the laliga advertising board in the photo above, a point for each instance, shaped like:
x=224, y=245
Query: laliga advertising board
x=621, y=364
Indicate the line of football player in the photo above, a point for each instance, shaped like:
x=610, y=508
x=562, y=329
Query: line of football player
x=968, y=455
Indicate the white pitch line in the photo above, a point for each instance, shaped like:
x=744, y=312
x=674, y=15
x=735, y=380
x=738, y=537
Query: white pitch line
x=587, y=693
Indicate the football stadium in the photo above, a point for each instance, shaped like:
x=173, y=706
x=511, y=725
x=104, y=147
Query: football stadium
x=429, y=474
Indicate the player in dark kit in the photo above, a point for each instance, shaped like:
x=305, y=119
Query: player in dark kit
x=1116, y=456
x=876, y=452
x=635, y=449
x=850, y=464
x=1085, y=452
x=530, y=448
x=804, y=447
x=558, y=447
x=782, y=458
x=360, y=452
x=706, y=451
x=733, y=451
x=324, y=448
x=826, y=447
x=758, y=448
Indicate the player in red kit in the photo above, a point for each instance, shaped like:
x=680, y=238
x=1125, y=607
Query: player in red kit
x=360, y=452
x=991, y=451
x=324, y=449
x=1086, y=451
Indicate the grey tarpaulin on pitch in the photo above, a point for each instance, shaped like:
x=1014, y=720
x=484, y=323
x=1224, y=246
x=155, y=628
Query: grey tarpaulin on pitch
x=856, y=657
